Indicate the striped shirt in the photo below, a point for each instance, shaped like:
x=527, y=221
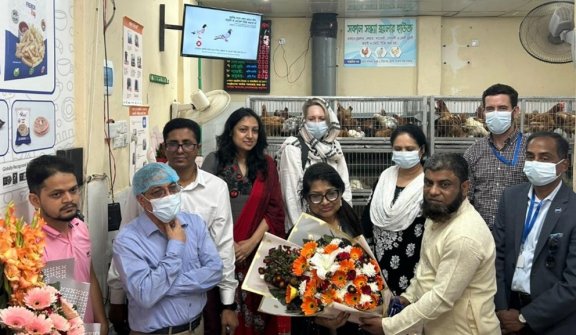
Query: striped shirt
x=489, y=175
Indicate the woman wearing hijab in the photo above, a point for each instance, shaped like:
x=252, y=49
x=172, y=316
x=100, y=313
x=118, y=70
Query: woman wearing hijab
x=315, y=142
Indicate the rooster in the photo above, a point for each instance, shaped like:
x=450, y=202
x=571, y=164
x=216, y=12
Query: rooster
x=272, y=124
x=447, y=125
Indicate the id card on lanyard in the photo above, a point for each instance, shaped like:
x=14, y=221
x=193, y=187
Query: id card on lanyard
x=514, y=160
x=528, y=225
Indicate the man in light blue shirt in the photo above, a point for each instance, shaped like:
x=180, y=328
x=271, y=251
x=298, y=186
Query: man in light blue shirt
x=166, y=258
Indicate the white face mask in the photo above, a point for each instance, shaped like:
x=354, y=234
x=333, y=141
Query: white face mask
x=406, y=159
x=166, y=208
x=317, y=129
x=540, y=173
x=498, y=121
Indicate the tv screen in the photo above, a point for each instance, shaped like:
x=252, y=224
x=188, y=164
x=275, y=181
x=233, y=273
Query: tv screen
x=218, y=33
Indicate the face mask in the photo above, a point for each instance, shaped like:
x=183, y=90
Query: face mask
x=406, y=159
x=166, y=208
x=540, y=173
x=317, y=129
x=498, y=121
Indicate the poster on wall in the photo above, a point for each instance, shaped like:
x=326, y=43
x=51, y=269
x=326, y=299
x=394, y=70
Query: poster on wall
x=139, y=137
x=251, y=76
x=380, y=42
x=28, y=31
x=132, y=63
x=36, y=90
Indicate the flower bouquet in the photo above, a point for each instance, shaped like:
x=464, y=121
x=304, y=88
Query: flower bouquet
x=318, y=271
x=34, y=308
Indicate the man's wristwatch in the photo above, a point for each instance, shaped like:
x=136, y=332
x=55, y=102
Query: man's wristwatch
x=231, y=307
x=521, y=319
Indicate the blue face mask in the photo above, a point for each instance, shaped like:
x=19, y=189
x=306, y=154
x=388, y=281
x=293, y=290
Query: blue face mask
x=406, y=159
x=498, y=121
x=317, y=129
x=540, y=173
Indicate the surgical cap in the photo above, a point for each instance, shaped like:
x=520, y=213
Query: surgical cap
x=153, y=174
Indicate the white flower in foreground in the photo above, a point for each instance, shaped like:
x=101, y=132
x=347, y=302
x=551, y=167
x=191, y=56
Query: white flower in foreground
x=368, y=270
x=324, y=263
x=364, y=298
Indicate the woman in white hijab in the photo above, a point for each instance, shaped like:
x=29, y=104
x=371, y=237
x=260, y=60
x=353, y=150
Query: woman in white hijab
x=315, y=142
x=393, y=219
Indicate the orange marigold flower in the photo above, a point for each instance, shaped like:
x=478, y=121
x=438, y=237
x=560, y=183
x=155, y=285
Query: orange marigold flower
x=339, y=279
x=299, y=266
x=309, y=306
x=328, y=296
x=309, y=249
x=330, y=248
x=346, y=265
x=360, y=281
x=356, y=253
x=352, y=299
x=311, y=288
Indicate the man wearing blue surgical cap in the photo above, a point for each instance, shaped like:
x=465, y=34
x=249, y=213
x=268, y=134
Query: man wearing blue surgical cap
x=166, y=259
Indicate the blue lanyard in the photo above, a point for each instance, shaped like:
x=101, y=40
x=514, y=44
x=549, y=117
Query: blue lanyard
x=516, y=152
x=530, y=219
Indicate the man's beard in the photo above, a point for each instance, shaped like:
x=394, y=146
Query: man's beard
x=442, y=213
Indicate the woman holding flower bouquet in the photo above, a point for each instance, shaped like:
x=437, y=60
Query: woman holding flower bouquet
x=322, y=189
x=256, y=203
x=393, y=218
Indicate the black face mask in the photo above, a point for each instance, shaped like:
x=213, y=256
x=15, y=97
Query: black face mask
x=442, y=213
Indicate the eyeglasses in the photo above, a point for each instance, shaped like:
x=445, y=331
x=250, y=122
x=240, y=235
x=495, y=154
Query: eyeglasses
x=186, y=146
x=331, y=195
x=162, y=191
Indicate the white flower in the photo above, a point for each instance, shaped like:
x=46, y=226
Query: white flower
x=364, y=298
x=302, y=287
x=324, y=263
x=418, y=229
x=341, y=293
x=373, y=287
x=368, y=269
x=336, y=241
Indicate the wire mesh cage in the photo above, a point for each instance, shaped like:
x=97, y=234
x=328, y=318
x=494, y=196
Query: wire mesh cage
x=281, y=116
x=379, y=116
x=549, y=114
x=455, y=123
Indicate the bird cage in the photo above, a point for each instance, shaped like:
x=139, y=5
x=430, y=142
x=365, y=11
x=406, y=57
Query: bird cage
x=379, y=116
x=455, y=123
x=549, y=114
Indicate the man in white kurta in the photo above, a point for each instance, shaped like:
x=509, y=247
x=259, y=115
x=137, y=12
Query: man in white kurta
x=453, y=289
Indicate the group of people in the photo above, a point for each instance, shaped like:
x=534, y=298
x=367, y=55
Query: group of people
x=476, y=244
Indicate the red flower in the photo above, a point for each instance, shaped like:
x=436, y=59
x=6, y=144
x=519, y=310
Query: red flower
x=233, y=193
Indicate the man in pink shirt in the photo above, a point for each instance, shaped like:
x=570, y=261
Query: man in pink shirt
x=54, y=190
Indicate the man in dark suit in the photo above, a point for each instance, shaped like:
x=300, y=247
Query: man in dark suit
x=535, y=235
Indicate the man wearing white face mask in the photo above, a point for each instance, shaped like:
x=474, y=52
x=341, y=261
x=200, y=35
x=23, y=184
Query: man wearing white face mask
x=166, y=258
x=496, y=161
x=535, y=245
x=316, y=142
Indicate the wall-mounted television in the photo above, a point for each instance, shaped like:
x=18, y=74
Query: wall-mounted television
x=219, y=33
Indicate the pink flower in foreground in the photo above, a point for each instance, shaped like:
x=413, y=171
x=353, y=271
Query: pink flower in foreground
x=39, y=325
x=60, y=322
x=16, y=317
x=39, y=298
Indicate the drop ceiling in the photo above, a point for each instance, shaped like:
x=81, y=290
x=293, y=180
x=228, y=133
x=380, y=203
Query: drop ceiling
x=381, y=8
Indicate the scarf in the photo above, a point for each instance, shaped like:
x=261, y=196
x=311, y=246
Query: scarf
x=408, y=206
x=264, y=202
x=327, y=148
